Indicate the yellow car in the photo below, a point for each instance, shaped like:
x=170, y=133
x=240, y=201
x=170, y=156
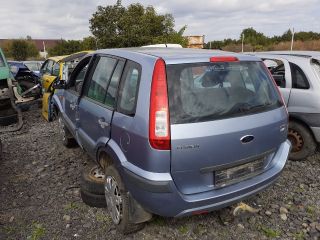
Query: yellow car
x=51, y=70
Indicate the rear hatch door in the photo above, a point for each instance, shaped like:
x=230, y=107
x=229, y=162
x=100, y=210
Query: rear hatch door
x=223, y=115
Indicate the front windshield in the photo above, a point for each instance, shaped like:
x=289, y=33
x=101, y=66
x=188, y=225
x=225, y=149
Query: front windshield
x=33, y=66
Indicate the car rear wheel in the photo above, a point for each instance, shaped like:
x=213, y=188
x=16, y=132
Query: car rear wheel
x=117, y=199
x=303, y=143
x=66, y=137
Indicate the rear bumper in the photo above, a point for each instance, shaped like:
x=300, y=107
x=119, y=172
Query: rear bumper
x=162, y=197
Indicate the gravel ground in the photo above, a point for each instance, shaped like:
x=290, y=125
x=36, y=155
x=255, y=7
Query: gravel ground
x=39, y=182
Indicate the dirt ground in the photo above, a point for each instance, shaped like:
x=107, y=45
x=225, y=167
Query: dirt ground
x=39, y=199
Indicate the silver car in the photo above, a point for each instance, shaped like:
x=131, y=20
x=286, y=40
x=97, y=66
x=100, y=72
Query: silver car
x=297, y=75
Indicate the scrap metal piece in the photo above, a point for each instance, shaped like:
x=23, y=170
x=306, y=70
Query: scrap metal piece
x=244, y=207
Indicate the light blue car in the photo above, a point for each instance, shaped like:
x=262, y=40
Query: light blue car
x=177, y=132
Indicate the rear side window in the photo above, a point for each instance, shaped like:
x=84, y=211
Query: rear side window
x=208, y=91
x=110, y=98
x=316, y=66
x=299, y=79
x=100, y=79
x=129, y=88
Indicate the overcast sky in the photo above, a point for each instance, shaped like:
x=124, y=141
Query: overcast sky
x=216, y=19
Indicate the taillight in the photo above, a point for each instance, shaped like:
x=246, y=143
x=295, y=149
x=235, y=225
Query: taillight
x=159, y=126
x=224, y=59
x=276, y=86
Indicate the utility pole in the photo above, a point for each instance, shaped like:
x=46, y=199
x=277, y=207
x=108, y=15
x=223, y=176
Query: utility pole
x=292, y=39
x=44, y=50
x=242, y=36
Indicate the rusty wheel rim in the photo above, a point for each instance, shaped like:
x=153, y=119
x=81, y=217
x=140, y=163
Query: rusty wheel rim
x=96, y=174
x=296, y=140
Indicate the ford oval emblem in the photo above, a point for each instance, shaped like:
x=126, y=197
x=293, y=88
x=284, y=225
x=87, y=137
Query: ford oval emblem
x=247, y=139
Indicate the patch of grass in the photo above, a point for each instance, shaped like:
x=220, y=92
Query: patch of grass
x=104, y=218
x=71, y=206
x=183, y=229
x=199, y=229
x=159, y=221
x=311, y=210
x=9, y=229
x=270, y=233
x=38, y=231
x=299, y=235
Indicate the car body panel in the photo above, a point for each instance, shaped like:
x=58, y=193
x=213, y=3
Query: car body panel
x=48, y=78
x=95, y=125
x=298, y=104
x=206, y=146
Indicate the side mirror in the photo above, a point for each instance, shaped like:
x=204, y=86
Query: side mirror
x=59, y=84
x=280, y=80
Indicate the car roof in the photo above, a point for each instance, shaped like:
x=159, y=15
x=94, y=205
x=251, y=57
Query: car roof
x=290, y=54
x=33, y=61
x=291, y=58
x=76, y=55
x=57, y=58
x=175, y=55
x=296, y=53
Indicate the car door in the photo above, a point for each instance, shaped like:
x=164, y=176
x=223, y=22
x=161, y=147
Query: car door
x=96, y=106
x=302, y=88
x=47, y=76
x=72, y=94
x=282, y=69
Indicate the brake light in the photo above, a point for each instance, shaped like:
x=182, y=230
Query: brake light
x=159, y=126
x=224, y=59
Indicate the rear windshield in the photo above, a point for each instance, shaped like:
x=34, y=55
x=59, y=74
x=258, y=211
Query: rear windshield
x=208, y=91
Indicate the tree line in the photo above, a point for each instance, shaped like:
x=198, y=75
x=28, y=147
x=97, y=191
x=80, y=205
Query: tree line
x=20, y=49
x=259, y=41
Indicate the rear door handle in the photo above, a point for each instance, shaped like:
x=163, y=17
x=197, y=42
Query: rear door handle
x=102, y=123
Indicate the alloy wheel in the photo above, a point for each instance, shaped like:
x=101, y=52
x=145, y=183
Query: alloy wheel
x=114, y=199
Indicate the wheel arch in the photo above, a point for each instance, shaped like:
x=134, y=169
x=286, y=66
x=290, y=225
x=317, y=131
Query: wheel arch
x=110, y=154
x=303, y=123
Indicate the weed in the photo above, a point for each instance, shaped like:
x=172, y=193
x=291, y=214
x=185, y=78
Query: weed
x=299, y=235
x=183, y=229
x=38, y=231
x=104, y=218
x=268, y=232
x=71, y=206
x=159, y=221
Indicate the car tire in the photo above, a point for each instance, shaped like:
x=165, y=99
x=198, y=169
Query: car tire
x=92, y=180
x=66, y=137
x=93, y=200
x=303, y=143
x=117, y=199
